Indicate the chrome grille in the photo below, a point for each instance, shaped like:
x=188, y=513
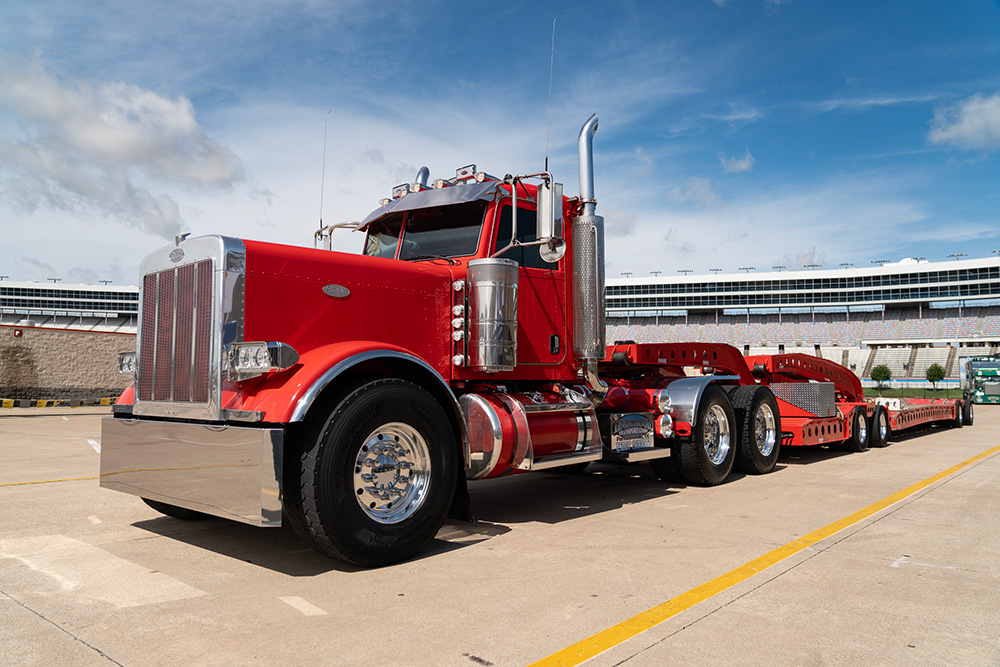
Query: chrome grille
x=174, y=346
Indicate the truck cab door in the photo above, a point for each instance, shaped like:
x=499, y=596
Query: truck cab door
x=541, y=292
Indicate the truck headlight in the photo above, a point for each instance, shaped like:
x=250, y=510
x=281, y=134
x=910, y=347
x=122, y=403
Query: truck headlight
x=247, y=360
x=126, y=363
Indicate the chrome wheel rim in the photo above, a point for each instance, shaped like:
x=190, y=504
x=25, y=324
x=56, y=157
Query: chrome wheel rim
x=717, y=434
x=883, y=426
x=861, y=427
x=764, y=429
x=392, y=473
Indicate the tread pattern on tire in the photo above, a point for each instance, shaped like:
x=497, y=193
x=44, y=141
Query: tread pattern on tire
x=689, y=452
x=748, y=456
x=309, y=501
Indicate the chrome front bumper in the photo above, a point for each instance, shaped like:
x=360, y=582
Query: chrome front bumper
x=227, y=471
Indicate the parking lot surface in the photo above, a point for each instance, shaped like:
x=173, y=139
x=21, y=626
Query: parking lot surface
x=555, y=561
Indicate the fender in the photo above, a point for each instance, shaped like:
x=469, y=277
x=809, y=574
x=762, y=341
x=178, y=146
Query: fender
x=685, y=395
x=287, y=396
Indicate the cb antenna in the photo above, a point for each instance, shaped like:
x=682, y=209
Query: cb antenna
x=322, y=178
x=548, y=117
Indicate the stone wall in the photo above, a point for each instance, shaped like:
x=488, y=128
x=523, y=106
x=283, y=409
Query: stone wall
x=61, y=363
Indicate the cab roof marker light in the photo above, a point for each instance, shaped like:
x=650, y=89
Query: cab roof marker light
x=466, y=172
x=401, y=191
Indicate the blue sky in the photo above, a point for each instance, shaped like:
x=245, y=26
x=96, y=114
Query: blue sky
x=733, y=132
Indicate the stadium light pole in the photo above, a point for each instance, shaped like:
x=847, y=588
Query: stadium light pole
x=958, y=255
x=685, y=271
x=2, y=277
x=655, y=273
x=845, y=264
x=627, y=274
x=880, y=261
x=779, y=268
x=105, y=282
x=812, y=266
x=54, y=280
x=716, y=271
x=748, y=269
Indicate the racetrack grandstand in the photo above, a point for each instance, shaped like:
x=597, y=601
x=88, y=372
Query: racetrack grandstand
x=907, y=315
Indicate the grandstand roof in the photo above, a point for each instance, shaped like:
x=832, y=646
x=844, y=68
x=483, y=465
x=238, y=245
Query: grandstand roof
x=907, y=282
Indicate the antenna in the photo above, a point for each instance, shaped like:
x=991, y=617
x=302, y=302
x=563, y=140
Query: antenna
x=322, y=178
x=548, y=113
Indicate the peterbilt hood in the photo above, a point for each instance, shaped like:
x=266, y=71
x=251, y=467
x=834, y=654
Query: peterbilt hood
x=310, y=298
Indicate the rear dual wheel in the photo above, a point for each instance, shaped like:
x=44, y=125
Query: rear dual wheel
x=858, y=442
x=759, y=422
x=967, y=413
x=706, y=457
x=878, y=428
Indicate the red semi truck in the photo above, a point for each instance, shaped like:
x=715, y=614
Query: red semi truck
x=356, y=395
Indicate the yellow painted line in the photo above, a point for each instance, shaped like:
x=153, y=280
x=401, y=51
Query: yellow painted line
x=617, y=634
x=48, y=481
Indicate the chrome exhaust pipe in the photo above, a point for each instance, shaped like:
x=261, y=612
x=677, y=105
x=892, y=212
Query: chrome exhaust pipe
x=588, y=270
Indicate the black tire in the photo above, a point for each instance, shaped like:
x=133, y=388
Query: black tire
x=957, y=422
x=706, y=457
x=176, y=512
x=879, y=429
x=759, y=425
x=417, y=466
x=858, y=442
x=968, y=415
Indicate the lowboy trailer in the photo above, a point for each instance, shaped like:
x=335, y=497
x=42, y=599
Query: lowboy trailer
x=355, y=396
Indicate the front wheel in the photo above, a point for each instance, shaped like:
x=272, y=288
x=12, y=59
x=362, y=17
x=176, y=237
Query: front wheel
x=706, y=458
x=759, y=424
x=377, y=482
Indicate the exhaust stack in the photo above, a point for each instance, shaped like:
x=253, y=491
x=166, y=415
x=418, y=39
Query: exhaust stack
x=588, y=269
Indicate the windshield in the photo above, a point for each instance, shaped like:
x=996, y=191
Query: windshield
x=383, y=236
x=447, y=231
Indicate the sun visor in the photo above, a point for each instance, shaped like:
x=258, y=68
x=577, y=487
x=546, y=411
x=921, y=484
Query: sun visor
x=457, y=194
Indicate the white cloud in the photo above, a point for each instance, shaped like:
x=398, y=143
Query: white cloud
x=841, y=220
x=696, y=191
x=973, y=124
x=105, y=149
x=865, y=103
x=737, y=164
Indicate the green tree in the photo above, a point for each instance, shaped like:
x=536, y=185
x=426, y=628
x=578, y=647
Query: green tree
x=881, y=374
x=935, y=374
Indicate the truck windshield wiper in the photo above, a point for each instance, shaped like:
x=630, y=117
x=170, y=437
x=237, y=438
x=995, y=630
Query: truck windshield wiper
x=450, y=260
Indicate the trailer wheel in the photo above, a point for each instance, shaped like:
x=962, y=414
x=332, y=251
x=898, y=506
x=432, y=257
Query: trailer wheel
x=706, y=458
x=759, y=425
x=858, y=442
x=879, y=429
x=377, y=482
x=182, y=513
x=957, y=421
x=967, y=414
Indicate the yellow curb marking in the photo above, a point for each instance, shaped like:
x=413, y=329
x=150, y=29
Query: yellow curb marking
x=617, y=634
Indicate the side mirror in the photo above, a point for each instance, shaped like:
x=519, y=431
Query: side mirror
x=549, y=225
